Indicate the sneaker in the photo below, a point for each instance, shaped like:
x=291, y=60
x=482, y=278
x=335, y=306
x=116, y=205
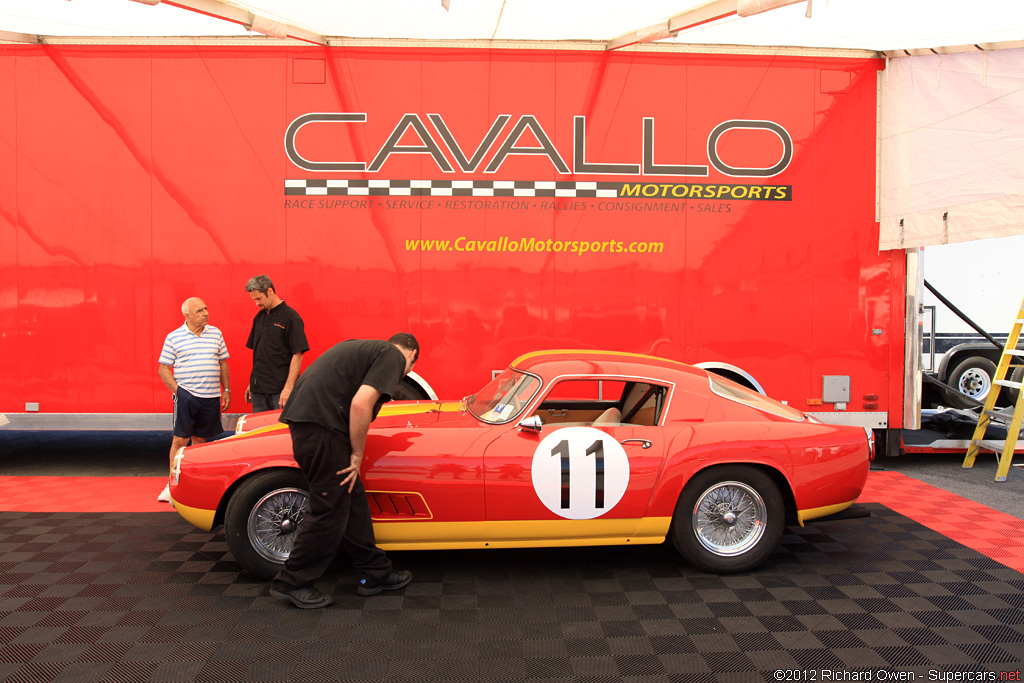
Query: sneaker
x=304, y=598
x=165, y=495
x=394, y=581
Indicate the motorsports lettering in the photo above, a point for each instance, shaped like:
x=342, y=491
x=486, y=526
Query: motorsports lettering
x=527, y=137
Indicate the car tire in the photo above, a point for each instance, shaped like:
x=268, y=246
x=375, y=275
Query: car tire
x=1016, y=376
x=262, y=518
x=407, y=390
x=729, y=519
x=971, y=377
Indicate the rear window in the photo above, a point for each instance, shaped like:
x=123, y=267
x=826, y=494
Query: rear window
x=735, y=392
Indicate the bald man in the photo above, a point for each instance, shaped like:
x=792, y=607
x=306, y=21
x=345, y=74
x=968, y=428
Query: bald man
x=199, y=358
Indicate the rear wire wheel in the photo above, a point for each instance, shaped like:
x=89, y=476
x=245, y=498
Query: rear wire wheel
x=728, y=519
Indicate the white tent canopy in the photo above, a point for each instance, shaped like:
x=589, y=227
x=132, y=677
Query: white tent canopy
x=882, y=25
x=952, y=149
x=952, y=127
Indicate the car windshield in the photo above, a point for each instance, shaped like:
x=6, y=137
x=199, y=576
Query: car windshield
x=504, y=398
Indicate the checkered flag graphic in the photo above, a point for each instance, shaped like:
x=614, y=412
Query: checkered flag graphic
x=449, y=188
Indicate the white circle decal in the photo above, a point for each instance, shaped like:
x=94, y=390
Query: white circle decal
x=580, y=472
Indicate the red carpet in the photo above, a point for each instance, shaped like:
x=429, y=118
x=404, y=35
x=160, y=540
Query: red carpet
x=993, y=534
x=82, y=494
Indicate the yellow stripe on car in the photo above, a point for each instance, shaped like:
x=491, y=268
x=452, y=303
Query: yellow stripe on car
x=400, y=409
x=202, y=519
x=814, y=513
x=593, y=352
x=520, y=534
x=420, y=408
x=262, y=430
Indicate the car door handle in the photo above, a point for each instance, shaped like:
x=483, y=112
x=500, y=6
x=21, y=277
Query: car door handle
x=644, y=442
x=558, y=412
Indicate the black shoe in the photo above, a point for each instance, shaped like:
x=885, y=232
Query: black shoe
x=394, y=581
x=304, y=598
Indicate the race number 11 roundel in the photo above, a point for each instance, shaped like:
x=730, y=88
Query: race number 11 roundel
x=580, y=472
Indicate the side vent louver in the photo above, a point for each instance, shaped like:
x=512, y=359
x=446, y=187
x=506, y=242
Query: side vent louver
x=397, y=506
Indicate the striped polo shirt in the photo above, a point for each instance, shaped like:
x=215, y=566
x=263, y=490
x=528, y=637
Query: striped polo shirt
x=196, y=359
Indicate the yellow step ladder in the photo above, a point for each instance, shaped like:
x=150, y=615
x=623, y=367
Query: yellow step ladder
x=1010, y=416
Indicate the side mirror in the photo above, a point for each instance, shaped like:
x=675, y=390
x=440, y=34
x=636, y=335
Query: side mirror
x=531, y=424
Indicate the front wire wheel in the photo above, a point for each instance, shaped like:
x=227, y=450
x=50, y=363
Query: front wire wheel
x=262, y=517
x=273, y=522
x=729, y=518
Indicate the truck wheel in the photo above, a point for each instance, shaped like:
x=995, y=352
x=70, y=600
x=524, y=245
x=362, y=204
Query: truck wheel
x=263, y=517
x=728, y=519
x=1016, y=376
x=973, y=378
x=408, y=390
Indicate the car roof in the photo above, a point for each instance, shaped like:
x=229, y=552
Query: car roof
x=558, y=362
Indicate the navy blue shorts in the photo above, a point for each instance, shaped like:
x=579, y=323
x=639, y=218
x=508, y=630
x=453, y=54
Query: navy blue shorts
x=195, y=416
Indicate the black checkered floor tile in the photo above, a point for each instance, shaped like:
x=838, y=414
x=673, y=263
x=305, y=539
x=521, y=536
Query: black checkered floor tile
x=145, y=597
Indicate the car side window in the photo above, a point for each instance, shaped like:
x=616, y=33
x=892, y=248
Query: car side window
x=578, y=401
x=602, y=402
x=642, y=404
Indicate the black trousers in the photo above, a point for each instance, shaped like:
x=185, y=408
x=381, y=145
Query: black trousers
x=336, y=518
x=261, y=402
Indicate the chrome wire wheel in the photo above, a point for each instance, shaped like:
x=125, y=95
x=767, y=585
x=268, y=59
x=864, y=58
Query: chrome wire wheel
x=274, y=521
x=729, y=518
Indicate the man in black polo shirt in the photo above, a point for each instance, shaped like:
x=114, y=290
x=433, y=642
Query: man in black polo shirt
x=329, y=415
x=277, y=340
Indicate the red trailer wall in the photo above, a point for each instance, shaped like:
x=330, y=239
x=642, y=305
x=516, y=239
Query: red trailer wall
x=134, y=177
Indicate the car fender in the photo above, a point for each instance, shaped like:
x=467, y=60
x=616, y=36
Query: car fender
x=708, y=445
x=208, y=486
x=275, y=464
x=819, y=468
x=830, y=473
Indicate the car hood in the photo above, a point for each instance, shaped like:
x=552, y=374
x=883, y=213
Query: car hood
x=273, y=439
x=415, y=413
x=393, y=414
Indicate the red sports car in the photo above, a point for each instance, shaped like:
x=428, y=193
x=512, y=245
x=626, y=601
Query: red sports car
x=564, y=448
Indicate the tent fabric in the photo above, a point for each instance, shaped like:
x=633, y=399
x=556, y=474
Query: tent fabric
x=845, y=24
x=952, y=149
